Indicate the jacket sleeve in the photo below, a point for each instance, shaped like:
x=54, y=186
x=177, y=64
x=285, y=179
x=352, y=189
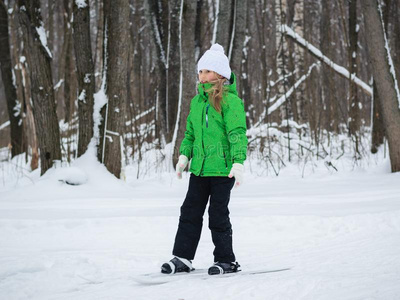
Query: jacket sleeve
x=235, y=124
x=187, y=142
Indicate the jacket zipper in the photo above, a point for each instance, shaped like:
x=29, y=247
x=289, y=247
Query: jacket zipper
x=226, y=164
x=207, y=115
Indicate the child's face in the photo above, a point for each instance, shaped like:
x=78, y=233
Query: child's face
x=208, y=76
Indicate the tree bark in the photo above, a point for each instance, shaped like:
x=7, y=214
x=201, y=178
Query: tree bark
x=86, y=79
x=188, y=70
x=224, y=23
x=173, y=69
x=117, y=18
x=327, y=84
x=67, y=66
x=163, y=16
x=14, y=114
x=378, y=129
x=354, y=120
x=238, y=41
x=38, y=58
x=384, y=79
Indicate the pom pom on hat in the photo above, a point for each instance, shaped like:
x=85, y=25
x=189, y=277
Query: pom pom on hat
x=214, y=59
x=217, y=47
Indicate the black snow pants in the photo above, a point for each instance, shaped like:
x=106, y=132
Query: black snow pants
x=218, y=189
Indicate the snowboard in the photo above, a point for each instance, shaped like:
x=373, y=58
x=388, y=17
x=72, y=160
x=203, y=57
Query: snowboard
x=201, y=274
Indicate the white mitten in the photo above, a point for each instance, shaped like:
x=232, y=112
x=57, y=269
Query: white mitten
x=237, y=172
x=181, y=165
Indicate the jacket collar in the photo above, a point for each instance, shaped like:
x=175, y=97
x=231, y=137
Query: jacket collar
x=230, y=88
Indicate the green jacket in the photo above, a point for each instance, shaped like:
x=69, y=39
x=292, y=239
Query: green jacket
x=214, y=141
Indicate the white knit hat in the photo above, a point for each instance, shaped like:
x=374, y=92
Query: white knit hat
x=215, y=60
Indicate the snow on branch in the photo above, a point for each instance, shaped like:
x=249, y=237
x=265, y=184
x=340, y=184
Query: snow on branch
x=129, y=123
x=318, y=54
x=43, y=39
x=4, y=125
x=284, y=97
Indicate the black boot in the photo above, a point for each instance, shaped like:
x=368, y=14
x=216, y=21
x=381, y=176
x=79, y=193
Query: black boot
x=223, y=268
x=177, y=265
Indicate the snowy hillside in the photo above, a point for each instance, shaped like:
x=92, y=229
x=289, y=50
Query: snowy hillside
x=339, y=233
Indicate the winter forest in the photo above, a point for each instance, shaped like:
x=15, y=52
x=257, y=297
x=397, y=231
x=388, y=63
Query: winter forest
x=94, y=98
x=305, y=72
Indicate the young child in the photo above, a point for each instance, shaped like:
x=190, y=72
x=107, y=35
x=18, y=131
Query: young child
x=215, y=141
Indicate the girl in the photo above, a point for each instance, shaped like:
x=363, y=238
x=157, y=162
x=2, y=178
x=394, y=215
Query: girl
x=215, y=141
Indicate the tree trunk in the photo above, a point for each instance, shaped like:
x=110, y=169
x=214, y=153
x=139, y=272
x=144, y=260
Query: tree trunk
x=354, y=120
x=98, y=53
x=224, y=21
x=238, y=41
x=173, y=63
x=13, y=105
x=188, y=70
x=38, y=58
x=67, y=66
x=86, y=79
x=117, y=18
x=384, y=79
x=293, y=67
x=160, y=18
x=326, y=81
x=378, y=129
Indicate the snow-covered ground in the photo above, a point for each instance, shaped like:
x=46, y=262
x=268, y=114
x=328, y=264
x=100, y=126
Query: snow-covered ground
x=339, y=233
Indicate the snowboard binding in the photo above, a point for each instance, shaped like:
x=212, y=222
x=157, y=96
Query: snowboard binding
x=220, y=268
x=177, y=265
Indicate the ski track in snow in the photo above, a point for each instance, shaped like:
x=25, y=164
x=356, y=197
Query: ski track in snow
x=339, y=233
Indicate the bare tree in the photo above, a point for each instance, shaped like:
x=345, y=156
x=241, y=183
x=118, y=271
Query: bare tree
x=354, y=120
x=187, y=69
x=67, y=68
x=385, y=83
x=237, y=39
x=86, y=79
x=378, y=128
x=38, y=58
x=223, y=23
x=118, y=43
x=13, y=105
x=164, y=19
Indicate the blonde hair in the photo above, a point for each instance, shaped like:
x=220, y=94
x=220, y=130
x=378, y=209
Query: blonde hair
x=216, y=92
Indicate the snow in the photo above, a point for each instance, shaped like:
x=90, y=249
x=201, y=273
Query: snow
x=82, y=96
x=81, y=3
x=87, y=78
x=100, y=99
x=339, y=232
x=58, y=85
x=43, y=39
x=17, y=108
x=4, y=125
